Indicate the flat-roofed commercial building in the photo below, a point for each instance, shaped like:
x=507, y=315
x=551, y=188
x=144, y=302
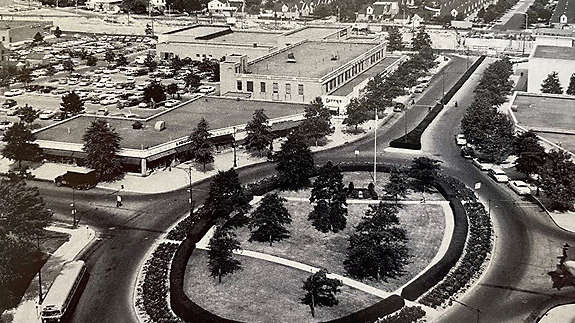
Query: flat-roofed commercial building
x=546, y=59
x=200, y=42
x=17, y=31
x=300, y=72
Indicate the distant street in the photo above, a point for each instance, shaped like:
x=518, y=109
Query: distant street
x=527, y=242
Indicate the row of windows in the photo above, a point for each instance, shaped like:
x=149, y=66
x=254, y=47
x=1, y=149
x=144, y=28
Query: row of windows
x=353, y=71
x=275, y=87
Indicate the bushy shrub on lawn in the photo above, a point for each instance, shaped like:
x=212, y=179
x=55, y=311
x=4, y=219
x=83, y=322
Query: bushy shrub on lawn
x=476, y=250
x=407, y=314
x=155, y=288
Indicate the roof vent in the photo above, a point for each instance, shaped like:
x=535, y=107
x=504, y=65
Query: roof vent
x=291, y=58
x=334, y=57
x=160, y=125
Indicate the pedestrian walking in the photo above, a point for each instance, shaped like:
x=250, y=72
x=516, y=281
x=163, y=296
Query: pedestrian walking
x=118, y=201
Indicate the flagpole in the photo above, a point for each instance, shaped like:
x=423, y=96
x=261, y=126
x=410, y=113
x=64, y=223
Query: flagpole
x=375, y=151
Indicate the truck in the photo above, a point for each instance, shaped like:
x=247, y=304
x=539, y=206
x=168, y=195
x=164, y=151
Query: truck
x=83, y=179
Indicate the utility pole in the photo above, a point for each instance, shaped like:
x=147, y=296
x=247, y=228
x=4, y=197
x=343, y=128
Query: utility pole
x=375, y=151
x=191, y=194
x=73, y=205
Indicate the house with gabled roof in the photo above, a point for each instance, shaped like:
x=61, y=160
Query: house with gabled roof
x=379, y=11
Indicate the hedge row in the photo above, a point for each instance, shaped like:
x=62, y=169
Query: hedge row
x=374, y=312
x=453, y=253
x=476, y=250
x=154, y=289
x=407, y=314
x=413, y=138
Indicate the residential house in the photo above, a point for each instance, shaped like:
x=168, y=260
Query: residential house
x=225, y=7
x=379, y=11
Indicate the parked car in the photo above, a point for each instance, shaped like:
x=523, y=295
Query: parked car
x=467, y=152
x=4, y=125
x=498, y=175
x=109, y=100
x=59, y=116
x=520, y=187
x=84, y=83
x=482, y=164
x=206, y=89
x=171, y=103
x=79, y=180
x=12, y=111
x=47, y=114
x=9, y=103
x=14, y=92
x=460, y=140
x=102, y=112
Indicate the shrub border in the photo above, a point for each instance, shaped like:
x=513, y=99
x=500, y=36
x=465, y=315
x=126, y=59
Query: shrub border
x=413, y=138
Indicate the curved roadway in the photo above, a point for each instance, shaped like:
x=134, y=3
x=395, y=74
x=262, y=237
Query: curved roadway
x=515, y=287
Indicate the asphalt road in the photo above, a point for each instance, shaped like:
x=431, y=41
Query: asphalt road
x=526, y=244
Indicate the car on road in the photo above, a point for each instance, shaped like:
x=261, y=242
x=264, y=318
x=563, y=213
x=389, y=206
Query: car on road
x=80, y=179
x=419, y=89
x=460, y=140
x=4, y=125
x=47, y=114
x=467, y=152
x=143, y=105
x=482, y=164
x=520, y=187
x=102, y=112
x=498, y=175
x=14, y=92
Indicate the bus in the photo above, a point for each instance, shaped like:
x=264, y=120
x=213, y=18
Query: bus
x=59, y=297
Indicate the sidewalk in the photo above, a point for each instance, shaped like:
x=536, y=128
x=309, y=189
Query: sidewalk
x=79, y=239
x=172, y=178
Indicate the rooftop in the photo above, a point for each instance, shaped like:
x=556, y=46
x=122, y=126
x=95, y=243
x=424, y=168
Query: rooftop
x=313, y=33
x=198, y=30
x=376, y=69
x=7, y=24
x=248, y=37
x=564, y=7
x=554, y=52
x=313, y=59
x=219, y=112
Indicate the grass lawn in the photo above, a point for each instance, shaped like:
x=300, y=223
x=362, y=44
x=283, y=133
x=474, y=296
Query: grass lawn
x=424, y=225
x=51, y=241
x=362, y=179
x=263, y=292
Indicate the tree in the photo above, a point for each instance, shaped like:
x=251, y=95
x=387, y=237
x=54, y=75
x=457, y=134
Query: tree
x=294, y=162
x=201, y=146
x=571, y=88
x=377, y=249
x=150, y=62
x=28, y=114
x=101, y=144
x=38, y=38
x=394, y=40
x=149, y=30
x=172, y=89
x=357, y=113
x=176, y=63
x=109, y=56
x=68, y=65
x=320, y=290
x=551, y=84
x=20, y=144
x=424, y=171
x=259, y=136
x=192, y=80
x=121, y=60
x=557, y=180
x=91, y=60
x=316, y=124
x=268, y=221
x=530, y=154
x=57, y=32
x=220, y=252
x=498, y=135
x=25, y=75
x=154, y=92
x=422, y=40
x=329, y=194
x=71, y=104
x=227, y=198
x=50, y=70
x=397, y=186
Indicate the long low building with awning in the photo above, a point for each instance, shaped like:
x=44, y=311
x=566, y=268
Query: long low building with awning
x=165, y=135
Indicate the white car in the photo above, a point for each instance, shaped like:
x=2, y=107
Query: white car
x=108, y=101
x=206, y=89
x=110, y=84
x=171, y=103
x=84, y=83
x=520, y=187
x=102, y=112
x=100, y=84
x=460, y=140
x=481, y=164
x=498, y=175
x=45, y=115
x=143, y=105
x=14, y=92
x=4, y=125
x=72, y=81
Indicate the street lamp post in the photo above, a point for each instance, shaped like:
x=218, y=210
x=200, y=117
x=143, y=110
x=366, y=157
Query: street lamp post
x=375, y=151
x=191, y=194
x=234, y=147
x=523, y=33
x=39, y=276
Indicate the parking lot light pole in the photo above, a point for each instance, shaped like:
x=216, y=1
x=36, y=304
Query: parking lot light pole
x=234, y=147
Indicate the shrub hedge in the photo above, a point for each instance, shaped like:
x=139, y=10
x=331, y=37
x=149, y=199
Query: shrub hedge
x=413, y=138
x=375, y=311
x=407, y=314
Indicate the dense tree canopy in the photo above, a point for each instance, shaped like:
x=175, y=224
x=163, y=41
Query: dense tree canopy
x=269, y=219
x=329, y=195
x=317, y=122
x=551, y=84
x=71, y=104
x=227, y=198
x=20, y=144
x=101, y=144
x=259, y=136
x=557, y=180
x=201, y=147
x=220, y=253
x=320, y=290
x=294, y=162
